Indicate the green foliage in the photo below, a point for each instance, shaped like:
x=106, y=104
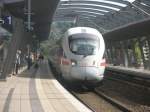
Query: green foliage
x=138, y=52
x=59, y=28
x=57, y=31
x=44, y=48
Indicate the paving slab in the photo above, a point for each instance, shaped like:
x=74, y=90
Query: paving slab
x=36, y=90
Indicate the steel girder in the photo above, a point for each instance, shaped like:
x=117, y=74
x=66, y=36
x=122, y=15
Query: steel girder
x=109, y=14
x=110, y=18
x=113, y=5
x=97, y=8
x=128, y=15
x=128, y=31
x=11, y=1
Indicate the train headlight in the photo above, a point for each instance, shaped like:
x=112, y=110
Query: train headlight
x=73, y=63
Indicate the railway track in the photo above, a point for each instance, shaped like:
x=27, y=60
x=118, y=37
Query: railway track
x=136, y=84
x=99, y=102
x=131, y=91
x=95, y=100
x=129, y=83
x=86, y=104
x=132, y=97
x=132, y=78
x=114, y=102
x=115, y=95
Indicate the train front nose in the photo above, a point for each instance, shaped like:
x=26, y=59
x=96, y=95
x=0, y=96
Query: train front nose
x=89, y=74
x=78, y=73
x=94, y=74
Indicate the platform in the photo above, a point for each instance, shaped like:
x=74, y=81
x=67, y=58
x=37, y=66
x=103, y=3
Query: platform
x=132, y=71
x=36, y=90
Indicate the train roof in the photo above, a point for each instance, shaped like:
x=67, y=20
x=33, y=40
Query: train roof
x=88, y=30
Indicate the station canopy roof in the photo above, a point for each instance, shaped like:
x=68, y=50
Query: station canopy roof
x=103, y=14
x=41, y=14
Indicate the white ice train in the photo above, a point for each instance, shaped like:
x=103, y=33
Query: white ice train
x=79, y=56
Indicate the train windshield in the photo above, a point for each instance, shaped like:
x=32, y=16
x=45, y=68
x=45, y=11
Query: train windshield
x=83, y=45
